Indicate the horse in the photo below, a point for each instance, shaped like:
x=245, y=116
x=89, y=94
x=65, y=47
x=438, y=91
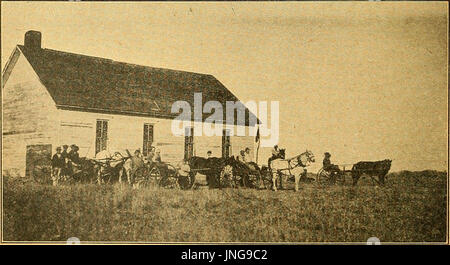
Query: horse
x=277, y=166
x=210, y=167
x=378, y=169
x=84, y=172
x=111, y=166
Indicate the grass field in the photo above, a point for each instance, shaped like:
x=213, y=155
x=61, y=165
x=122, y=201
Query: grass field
x=410, y=208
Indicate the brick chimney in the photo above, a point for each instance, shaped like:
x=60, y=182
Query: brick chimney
x=33, y=40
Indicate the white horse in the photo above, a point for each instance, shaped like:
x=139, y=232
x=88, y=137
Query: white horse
x=108, y=162
x=281, y=165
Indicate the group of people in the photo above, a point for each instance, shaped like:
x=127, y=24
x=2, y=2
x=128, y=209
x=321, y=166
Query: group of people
x=152, y=158
x=153, y=155
x=64, y=162
x=244, y=155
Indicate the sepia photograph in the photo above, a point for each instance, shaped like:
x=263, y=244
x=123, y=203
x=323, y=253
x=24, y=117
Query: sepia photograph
x=224, y=123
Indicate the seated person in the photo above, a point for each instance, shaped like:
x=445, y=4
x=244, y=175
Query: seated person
x=157, y=157
x=328, y=166
x=241, y=156
x=247, y=157
x=275, y=154
x=150, y=155
x=137, y=160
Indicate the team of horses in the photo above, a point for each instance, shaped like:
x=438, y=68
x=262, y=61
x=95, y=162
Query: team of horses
x=219, y=172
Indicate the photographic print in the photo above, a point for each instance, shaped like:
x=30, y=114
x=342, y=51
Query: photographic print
x=230, y=122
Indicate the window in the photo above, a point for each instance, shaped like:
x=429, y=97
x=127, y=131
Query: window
x=148, y=138
x=226, y=143
x=188, y=142
x=101, y=135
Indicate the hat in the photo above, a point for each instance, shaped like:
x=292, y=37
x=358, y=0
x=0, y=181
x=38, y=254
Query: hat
x=65, y=146
x=327, y=154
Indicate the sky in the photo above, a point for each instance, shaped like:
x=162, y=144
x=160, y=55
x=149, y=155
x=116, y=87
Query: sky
x=363, y=81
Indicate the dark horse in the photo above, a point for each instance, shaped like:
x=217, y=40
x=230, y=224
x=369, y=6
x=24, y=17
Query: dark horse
x=373, y=169
x=210, y=167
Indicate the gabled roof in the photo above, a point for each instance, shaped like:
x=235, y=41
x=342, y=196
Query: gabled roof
x=86, y=83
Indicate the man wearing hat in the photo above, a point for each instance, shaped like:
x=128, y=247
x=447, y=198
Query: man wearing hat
x=64, y=152
x=57, y=166
x=74, y=158
x=275, y=154
x=328, y=166
x=73, y=154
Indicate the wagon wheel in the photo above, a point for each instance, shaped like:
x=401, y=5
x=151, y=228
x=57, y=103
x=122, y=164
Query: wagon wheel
x=323, y=176
x=340, y=178
x=266, y=177
x=253, y=180
x=148, y=177
x=226, y=177
x=171, y=180
x=42, y=173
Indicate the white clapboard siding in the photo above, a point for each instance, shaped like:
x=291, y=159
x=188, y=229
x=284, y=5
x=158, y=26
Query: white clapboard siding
x=126, y=132
x=29, y=116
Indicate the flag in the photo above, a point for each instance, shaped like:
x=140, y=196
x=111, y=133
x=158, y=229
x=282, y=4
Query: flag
x=257, y=141
x=257, y=136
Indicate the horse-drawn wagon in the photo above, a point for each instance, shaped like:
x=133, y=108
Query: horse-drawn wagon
x=372, y=169
x=333, y=177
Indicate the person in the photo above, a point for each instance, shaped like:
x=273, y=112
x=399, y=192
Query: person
x=65, y=155
x=328, y=166
x=275, y=154
x=157, y=155
x=137, y=160
x=73, y=160
x=208, y=154
x=184, y=171
x=137, y=166
x=73, y=155
x=151, y=154
x=247, y=156
x=241, y=156
x=58, y=164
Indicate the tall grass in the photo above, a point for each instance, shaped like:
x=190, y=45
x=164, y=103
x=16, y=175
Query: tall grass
x=405, y=210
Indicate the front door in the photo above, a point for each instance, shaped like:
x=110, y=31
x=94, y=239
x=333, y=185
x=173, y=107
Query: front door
x=38, y=162
x=101, y=135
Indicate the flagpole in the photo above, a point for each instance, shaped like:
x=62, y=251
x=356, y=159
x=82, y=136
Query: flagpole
x=257, y=140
